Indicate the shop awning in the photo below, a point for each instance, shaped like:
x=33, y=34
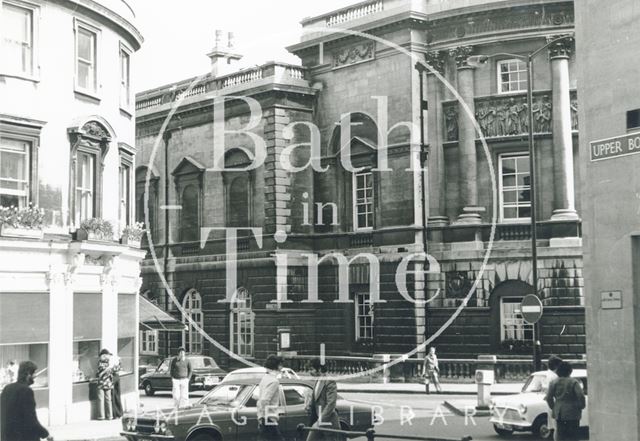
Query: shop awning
x=154, y=318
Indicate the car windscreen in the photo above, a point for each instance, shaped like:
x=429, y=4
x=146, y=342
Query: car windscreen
x=242, y=376
x=230, y=395
x=536, y=383
x=202, y=362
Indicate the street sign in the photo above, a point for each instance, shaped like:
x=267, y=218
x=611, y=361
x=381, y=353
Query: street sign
x=531, y=309
x=624, y=145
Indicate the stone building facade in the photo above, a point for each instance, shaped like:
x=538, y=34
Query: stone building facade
x=67, y=146
x=370, y=197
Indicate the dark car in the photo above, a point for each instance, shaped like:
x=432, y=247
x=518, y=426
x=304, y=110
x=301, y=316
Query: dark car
x=206, y=374
x=229, y=413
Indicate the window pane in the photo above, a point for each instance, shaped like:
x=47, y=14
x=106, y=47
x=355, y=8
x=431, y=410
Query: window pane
x=85, y=45
x=509, y=196
x=524, y=212
x=524, y=196
x=510, y=213
x=509, y=181
x=17, y=35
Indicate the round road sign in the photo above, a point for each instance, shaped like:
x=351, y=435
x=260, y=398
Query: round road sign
x=531, y=308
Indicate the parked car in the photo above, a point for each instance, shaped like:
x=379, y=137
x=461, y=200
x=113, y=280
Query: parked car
x=257, y=372
x=228, y=413
x=528, y=411
x=206, y=374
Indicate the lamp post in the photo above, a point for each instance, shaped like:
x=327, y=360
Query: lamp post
x=528, y=59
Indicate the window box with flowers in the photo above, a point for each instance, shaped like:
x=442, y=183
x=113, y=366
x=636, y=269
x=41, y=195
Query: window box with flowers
x=25, y=222
x=97, y=229
x=132, y=235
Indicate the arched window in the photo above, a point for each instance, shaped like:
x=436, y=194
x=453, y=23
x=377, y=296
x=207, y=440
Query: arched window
x=238, y=190
x=189, y=214
x=188, y=177
x=192, y=338
x=242, y=324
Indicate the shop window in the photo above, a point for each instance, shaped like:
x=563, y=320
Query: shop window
x=363, y=200
x=512, y=324
x=512, y=76
x=86, y=58
x=515, y=188
x=12, y=355
x=127, y=354
x=149, y=342
x=364, y=316
x=85, y=360
x=192, y=337
x=242, y=324
x=17, y=21
x=87, y=334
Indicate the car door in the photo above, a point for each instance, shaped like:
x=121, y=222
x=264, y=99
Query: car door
x=296, y=398
x=162, y=376
x=246, y=416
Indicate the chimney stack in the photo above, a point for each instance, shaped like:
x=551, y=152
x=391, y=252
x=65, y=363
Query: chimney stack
x=223, y=57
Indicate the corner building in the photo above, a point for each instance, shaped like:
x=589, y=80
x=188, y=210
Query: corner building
x=381, y=213
x=67, y=146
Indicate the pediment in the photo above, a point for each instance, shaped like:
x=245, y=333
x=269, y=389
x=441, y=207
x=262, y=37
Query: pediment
x=188, y=166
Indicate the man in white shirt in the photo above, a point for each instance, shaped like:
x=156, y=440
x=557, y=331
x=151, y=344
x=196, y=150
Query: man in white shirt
x=269, y=404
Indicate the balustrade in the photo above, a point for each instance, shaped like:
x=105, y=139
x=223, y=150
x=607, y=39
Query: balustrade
x=354, y=13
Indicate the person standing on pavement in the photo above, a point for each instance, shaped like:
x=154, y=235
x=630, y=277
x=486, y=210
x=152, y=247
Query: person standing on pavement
x=323, y=404
x=552, y=364
x=18, y=419
x=566, y=399
x=431, y=370
x=105, y=386
x=180, y=371
x=269, y=404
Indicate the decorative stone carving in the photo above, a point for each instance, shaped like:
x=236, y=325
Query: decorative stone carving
x=562, y=48
x=95, y=129
x=492, y=22
x=354, y=54
x=460, y=54
x=507, y=116
x=457, y=284
x=436, y=59
x=108, y=272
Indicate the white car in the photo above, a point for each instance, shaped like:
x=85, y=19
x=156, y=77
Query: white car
x=528, y=411
x=257, y=372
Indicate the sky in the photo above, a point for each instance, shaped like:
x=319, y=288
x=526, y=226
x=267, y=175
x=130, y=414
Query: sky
x=179, y=33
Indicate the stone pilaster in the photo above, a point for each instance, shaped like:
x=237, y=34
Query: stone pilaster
x=109, y=285
x=435, y=122
x=277, y=180
x=468, y=176
x=564, y=192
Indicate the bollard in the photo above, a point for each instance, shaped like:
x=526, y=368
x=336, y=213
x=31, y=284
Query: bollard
x=485, y=377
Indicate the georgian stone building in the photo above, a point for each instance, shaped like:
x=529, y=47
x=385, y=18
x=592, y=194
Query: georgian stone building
x=370, y=197
x=67, y=146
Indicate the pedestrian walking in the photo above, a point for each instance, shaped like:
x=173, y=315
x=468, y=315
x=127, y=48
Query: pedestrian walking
x=322, y=407
x=180, y=370
x=18, y=419
x=566, y=399
x=431, y=370
x=552, y=364
x=105, y=386
x=114, y=364
x=269, y=405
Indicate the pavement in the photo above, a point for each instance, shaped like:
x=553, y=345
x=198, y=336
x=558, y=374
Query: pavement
x=109, y=430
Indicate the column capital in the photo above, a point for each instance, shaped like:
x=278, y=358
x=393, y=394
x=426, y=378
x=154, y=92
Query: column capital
x=562, y=48
x=436, y=59
x=460, y=55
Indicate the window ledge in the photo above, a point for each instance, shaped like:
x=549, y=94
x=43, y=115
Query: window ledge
x=87, y=95
x=19, y=76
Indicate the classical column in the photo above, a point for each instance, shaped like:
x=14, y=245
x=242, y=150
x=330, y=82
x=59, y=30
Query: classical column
x=467, y=139
x=436, y=60
x=564, y=193
x=60, y=345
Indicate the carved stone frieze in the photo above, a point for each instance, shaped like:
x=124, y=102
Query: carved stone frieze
x=491, y=22
x=436, y=59
x=508, y=116
x=354, y=54
x=95, y=129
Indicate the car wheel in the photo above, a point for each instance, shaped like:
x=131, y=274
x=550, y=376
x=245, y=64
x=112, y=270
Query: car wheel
x=502, y=432
x=541, y=429
x=148, y=389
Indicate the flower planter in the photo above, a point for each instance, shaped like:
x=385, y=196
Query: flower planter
x=97, y=236
x=133, y=243
x=31, y=233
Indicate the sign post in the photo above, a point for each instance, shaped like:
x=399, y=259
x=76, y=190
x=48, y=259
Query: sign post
x=531, y=310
